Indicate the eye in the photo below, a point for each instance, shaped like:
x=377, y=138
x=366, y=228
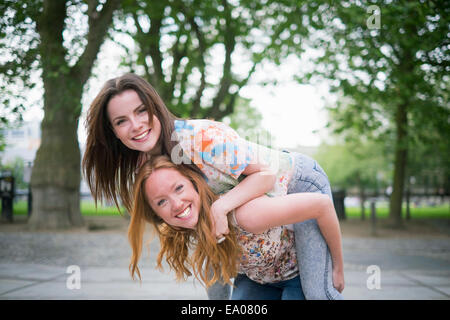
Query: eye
x=119, y=122
x=142, y=110
x=179, y=187
x=160, y=202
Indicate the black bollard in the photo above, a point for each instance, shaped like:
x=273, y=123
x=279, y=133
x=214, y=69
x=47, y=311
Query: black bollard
x=7, y=194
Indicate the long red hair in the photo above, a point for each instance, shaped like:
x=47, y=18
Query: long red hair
x=184, y=249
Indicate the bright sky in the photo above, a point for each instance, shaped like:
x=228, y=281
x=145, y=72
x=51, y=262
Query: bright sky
x=291, y=112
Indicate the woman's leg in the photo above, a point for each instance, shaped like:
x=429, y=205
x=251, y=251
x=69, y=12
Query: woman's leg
x=247, y=289
x=315, y=265
x=292, y=290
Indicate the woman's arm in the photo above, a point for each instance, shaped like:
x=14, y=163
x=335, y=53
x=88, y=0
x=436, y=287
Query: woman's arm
x=263, y=213
x=259, y=180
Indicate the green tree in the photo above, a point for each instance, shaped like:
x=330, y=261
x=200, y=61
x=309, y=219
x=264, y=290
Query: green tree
x=429, y=166
x=352, y=164
x=199, y=53
x=391, y=63
x=245, y=117
x=176, y=41
x=46, y=36
x=247, y=121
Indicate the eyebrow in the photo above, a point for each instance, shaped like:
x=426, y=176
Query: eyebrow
x=120, y=117
x=171, y=188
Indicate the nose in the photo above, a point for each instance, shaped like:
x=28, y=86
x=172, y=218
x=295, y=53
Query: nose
x=136, y=125
x=177, y=204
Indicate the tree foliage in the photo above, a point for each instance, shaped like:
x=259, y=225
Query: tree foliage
x=363, y=165
x=19, y=43
x=199, y=54
x=390, y=63
x=178, y=45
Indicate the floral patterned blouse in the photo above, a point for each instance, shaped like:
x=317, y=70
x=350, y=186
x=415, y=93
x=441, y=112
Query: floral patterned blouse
x=222, y=155
x=268, y=257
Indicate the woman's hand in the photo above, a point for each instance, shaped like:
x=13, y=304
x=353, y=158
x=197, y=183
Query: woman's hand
x=219, y=216
x=338, y=279
x=258, y=180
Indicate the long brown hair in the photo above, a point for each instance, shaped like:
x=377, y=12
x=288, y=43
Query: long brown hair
x=209, y=261
x=108, y=165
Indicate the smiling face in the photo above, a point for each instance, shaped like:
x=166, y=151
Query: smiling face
x=129, y=119
x=173, y=198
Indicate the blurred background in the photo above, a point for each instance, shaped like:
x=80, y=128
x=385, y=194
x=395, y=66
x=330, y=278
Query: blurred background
x=361, y=86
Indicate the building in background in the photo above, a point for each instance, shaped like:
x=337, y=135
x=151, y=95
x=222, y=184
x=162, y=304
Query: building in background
x=21, y=142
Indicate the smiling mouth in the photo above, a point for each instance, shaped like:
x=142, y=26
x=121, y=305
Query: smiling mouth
x=142, y=135
x=185, y=213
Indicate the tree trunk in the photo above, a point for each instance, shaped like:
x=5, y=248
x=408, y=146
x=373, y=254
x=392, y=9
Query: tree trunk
x=408, y=205
x=55, y=181
x=400, y=161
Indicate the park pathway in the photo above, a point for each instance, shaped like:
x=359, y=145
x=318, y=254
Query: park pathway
x=36, y=265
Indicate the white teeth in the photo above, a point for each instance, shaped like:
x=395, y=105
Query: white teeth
x=142, y=135
x=185, y=213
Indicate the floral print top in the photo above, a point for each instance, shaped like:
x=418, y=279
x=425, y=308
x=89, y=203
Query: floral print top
x=268, y=257
x=222, y=156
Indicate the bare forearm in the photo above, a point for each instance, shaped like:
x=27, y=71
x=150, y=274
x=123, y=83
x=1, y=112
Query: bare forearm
x=329, y=226
x=253, y=186
x=259, y=180
x=263, y=213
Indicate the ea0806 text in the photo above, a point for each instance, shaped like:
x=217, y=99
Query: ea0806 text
x=246, y=309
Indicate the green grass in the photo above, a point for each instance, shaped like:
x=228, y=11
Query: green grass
x=437, y=212
x=87, y=209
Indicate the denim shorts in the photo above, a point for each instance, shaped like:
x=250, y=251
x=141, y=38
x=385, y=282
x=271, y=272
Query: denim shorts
x=308, y=176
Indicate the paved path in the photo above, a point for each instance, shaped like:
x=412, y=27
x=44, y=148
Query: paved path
x=35, y=265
